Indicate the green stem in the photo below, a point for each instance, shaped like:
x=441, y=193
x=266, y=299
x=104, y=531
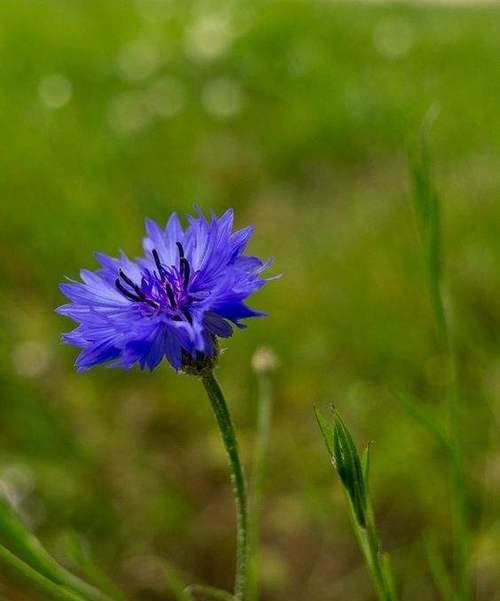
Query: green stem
x=460, y=509
x=370, y=546
x=257, y=483
x=459, y=504
x=31, y=580
x=427, y=204
x=224, y=422
x=377, y=567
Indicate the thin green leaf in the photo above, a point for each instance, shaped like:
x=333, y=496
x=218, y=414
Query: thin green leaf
x=427, y=207
x=423, y=417
x=428, y=211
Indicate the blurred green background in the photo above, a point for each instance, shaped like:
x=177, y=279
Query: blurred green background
x=298, y=115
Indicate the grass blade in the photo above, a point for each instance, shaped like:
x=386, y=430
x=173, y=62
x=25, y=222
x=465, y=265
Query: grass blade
x=439, y=571
x=29, y=549
x=33, y=581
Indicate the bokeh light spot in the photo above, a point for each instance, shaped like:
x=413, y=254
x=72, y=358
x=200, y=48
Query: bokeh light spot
x=222, y=98
x=393, y=37
x=31, y=359
x=128, y=112
x=55, y=91
x=165, y=97
x=138, y=60
x=209, y=37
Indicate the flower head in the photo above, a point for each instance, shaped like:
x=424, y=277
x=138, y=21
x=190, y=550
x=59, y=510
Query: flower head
x=188, y=290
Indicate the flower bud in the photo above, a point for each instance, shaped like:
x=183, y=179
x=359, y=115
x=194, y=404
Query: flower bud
x=264, y=360
x=345, y=458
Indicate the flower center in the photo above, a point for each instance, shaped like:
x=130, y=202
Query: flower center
x=165, y=290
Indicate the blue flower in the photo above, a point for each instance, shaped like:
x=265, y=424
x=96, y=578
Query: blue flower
x=188, y=290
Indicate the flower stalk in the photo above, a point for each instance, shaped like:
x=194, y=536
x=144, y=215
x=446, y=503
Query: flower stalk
x=226, y=428
x=263, y=363
x=378, y=563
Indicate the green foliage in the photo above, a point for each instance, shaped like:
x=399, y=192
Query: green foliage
x=424, y=416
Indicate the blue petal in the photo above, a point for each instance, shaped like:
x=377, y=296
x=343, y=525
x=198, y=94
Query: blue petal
x=217, y=325
x=95, y=354
x=164, y=241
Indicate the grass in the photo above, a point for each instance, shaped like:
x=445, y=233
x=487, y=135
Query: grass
x=298, y=115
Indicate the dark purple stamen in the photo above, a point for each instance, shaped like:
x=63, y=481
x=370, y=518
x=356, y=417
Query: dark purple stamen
x=126, y=278
x=187, y=315
x=185, y=271
x=133, y=285
x=158, y=264
x=125, y=292
x=138, y=297
x=170, y=294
